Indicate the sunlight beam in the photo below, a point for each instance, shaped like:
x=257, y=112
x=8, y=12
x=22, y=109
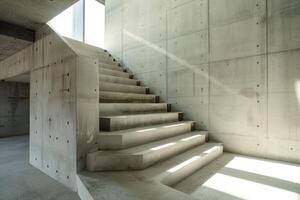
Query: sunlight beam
x=245, y=189
x=266, y=168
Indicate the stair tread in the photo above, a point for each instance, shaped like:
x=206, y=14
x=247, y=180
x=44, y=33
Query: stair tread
x=127, y=94
x=115, y=79
x=120, y=108
x=144, y=128
x=111, y=62
x=122, y=85
x=112, y=96
x=115, y=67
x=135, y=103
x=111, y=70
x=138, y=115
x=114, y=72
x=162, y=170
x=155, y=146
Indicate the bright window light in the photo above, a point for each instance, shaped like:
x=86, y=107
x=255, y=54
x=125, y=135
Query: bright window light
x=83, y=21
x=63, y=23
x=94, y=23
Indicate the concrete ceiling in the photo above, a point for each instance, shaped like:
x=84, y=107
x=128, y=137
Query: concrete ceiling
x=23, y=78
x=31, y=14
x=20, y=18
x=9, y=45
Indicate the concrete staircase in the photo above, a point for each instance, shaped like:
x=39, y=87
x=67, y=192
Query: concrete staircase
x=139, y=132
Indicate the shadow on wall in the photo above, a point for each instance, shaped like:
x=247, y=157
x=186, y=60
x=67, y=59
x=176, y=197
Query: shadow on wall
x=14, y=109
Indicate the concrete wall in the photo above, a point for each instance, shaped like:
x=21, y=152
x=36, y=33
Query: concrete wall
x=14, y=109
x=64, y=96
x=53, y=110
x=231, y=65
x=64, y=107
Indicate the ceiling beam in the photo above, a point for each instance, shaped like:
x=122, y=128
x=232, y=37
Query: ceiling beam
x=16, y=31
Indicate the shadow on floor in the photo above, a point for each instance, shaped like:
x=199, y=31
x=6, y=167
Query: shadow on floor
x=20, y=181
x=234, y=177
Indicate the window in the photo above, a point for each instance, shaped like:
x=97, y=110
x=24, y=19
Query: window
x=94, y=23
x=83, y=21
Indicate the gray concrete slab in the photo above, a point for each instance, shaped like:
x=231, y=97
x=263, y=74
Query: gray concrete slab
x=31, y=14
x=235, y=177
x=19, y=180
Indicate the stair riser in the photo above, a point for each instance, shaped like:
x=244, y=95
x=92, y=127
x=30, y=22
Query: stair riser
x=121, y=109
x=111, y=67
x=114, y=124
x=122, y=88
x=186, y=171
x=111, y=98
x=138, y=162
x=108, y=61
x=105, y=57
x=114, y=73
x=113, y=142
x=112, y=79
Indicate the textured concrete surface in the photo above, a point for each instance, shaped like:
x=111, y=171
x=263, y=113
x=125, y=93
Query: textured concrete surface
x=235, y=177
x=124, y=186
x=21, y=181
x=20, y=18
x=31, y=14
x=14, y=109
x=229, y=65
x=10, y=45
x=53, y=109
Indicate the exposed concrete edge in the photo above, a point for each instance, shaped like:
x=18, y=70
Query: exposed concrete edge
x=9, y=70
x=118, y=188
x=82, y=191
x=61, y=37
x=16, y=31
x=84, y=49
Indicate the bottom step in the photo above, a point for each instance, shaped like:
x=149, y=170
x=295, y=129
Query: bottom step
x=143, y=156
x=178, y=168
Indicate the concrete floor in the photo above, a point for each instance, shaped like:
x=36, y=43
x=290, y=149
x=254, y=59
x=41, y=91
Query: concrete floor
x=235, y=177
x=21, y=181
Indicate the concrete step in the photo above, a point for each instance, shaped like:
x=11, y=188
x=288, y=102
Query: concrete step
x=106, y=57
x=110, y=61
x=176, y=169
x=121, y=97
x=132, y=108
x=119, y=80
x=115, y=73
x=121, y=122
x=111, y=67
x=132, y=137
x=114, y=87
x=143, y=156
